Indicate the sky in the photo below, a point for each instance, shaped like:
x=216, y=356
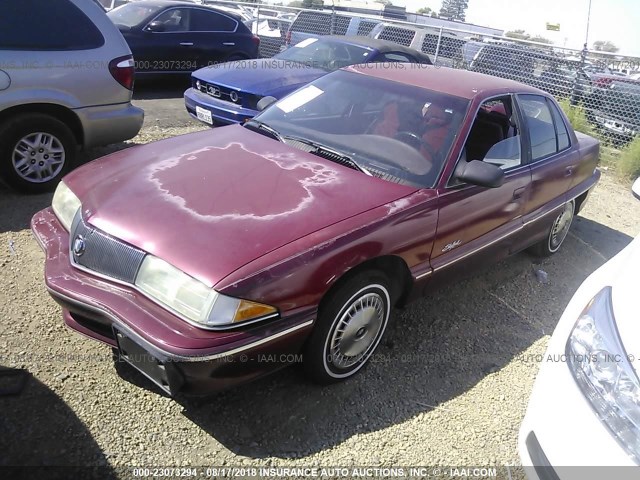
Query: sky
x=614, y=20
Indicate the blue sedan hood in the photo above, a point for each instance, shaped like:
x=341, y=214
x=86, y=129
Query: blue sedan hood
x=264, y=76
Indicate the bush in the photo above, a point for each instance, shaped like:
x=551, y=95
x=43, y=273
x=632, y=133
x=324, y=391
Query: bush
x=577, y=117
x=628, y=164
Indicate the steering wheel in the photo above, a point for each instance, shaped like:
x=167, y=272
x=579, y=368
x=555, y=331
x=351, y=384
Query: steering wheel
x=413, y=140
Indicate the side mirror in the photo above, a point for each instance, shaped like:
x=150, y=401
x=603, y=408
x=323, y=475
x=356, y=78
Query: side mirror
x=636, y=188
x=264, y=102
x=155, y=26
x=480, y=173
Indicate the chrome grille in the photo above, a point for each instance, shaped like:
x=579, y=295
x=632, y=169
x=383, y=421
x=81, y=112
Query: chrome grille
x=94, y=250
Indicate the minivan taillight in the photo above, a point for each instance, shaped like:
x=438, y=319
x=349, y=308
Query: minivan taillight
x=122, y=69
x=256, y=40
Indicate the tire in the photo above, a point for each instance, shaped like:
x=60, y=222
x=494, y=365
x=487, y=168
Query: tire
x=53, y=148
x=557, y=233
x=334, y=351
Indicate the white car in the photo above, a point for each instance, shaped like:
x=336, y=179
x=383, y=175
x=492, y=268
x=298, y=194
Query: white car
x=585, y=406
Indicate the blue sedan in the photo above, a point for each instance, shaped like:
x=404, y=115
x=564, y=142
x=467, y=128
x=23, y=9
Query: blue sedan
x=230, y=92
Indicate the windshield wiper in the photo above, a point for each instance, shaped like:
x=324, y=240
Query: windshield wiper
x=260, y=127
x=331, y=154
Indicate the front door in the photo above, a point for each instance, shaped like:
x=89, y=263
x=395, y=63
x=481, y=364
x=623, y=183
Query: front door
x=478, y=225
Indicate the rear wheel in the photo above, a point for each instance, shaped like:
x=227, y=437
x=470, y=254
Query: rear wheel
x=557, y=233
x=351, y=323
x=36, y=151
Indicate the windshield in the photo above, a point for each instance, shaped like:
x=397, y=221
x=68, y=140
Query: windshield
x=131, y=14
x=390, y=130
x=326, y=54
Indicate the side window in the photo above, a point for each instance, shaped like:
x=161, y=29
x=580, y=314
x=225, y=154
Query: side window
x=561, y=129
x=203, y=21
x=174, y=20
x=542, y=131
x=37, y=25
x=493, y=138
x=395, y=57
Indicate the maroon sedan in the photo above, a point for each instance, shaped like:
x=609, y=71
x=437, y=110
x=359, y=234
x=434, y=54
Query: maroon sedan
x=210, y=259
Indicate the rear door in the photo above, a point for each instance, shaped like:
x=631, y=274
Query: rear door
x=213, y=37
x=553, y=158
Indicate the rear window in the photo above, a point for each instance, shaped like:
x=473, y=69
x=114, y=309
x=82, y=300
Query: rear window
x=403, y=36
x=38, y=25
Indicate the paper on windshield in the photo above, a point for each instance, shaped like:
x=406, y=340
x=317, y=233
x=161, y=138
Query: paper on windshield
x=299, y=98
x=306, y=43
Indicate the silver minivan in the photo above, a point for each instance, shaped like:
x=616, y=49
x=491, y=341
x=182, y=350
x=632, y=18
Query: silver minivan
x=65, y=82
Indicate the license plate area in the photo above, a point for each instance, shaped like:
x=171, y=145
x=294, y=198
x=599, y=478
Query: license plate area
x=163, y=373
x=204, y=115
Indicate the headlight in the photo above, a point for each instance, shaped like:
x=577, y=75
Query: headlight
x=65, y=205
x=192, y=299
x=603, y=372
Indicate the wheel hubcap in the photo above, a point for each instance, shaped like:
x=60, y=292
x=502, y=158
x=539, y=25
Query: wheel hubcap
x=561, y=227
x=38, y=157
x=357, y=330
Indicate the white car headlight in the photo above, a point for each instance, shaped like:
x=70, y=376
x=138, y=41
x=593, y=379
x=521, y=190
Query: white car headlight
x=603, y=372
x=65, y=205
x=193, y=300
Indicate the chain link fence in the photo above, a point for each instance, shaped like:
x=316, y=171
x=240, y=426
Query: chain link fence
x=600, y=92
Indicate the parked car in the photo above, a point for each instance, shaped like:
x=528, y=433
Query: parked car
x=211, y=259
x=230, y=93
x=111, y=4
x=615, y=110
x=179, y=37
x=588, y=384
x=314, y=23
x=272, y=33
x=63, y=84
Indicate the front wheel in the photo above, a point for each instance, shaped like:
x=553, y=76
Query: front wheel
x=351, y=323
x=557, y=233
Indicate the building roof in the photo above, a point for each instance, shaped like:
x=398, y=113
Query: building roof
x=451, y=81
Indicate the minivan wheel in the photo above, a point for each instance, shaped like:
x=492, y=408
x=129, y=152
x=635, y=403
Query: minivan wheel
x=557, y=233
x=36, y=151
x=351, y=323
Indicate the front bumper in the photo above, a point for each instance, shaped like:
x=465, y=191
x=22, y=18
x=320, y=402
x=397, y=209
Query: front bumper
x=177, y=356
x=105, y=124
x=222, y=112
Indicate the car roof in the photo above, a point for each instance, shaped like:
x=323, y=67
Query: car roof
x=177, y=3
x=381, y=45
x=451, y=81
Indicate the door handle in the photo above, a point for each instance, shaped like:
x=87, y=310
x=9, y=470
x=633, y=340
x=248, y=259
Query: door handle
x=229, y=44
x=186, y=44
x=569, y=170
x=518, y=193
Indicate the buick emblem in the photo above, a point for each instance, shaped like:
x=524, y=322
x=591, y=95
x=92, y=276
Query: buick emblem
x=79, y=246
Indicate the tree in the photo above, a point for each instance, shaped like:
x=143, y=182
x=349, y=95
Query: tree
x=454, y=9
x=518, y=34
x=605, y=46
x=425, y=11
x=541, y=39
x=384, y=2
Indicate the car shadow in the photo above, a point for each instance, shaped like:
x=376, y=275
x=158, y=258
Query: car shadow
x=435, y=350
x=35, y=441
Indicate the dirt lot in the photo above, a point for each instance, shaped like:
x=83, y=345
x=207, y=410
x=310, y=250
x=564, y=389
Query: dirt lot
x=449, y=386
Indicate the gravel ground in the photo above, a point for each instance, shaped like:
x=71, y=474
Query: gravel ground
x=447, y=388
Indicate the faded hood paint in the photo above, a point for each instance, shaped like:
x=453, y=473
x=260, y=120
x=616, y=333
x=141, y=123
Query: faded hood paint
x=210, y=202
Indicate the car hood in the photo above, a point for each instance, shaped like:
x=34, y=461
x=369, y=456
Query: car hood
x=263, y=76
x=211, y=202
x=626, y=302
